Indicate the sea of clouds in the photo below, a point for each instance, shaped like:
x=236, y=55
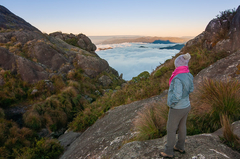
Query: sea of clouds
x=131, y=59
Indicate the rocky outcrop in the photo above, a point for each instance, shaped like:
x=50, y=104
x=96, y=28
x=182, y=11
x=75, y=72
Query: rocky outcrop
x=105, y=80
x=91, y=65
x=79, y=40
x=196, y=147
x=226, y=68
x=47, y=55
x=36, y=56
x=8, y=20
x=28, y=70
x=221, y=34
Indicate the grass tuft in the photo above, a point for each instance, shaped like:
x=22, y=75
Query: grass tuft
x=229, y=138
x=151, y=122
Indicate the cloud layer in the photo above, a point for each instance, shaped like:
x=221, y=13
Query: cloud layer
x=131, y=59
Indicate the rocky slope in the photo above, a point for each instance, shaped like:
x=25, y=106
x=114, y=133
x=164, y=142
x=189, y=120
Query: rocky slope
x=107, y=137
x=37, y=56
x=11, y=21
x=221, y=34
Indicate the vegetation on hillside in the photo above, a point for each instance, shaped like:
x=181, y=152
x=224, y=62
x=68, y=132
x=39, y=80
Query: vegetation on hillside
x=78, y=101
x=52, y=105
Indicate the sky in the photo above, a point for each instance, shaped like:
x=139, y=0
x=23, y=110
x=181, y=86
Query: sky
x=164, y=18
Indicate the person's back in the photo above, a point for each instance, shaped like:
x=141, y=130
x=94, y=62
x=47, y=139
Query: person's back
x=184, y=82
x=180, y=85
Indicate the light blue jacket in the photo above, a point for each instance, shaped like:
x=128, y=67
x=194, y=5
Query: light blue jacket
x=179, y=90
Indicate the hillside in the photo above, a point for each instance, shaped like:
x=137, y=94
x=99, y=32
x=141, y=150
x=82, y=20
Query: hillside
x=215, y=56
x=56, y=83
x=44, y=81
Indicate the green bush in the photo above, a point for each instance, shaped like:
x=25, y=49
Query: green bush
x=142, y=76
x=2, y=115
x=72, y=41
x=224, y=15
x=161, y=71
x=43, y=149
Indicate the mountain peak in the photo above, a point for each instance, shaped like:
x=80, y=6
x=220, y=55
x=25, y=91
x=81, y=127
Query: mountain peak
x=8, y=20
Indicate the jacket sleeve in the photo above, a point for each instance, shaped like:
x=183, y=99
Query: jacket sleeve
x=191, y=86
x=176, y=95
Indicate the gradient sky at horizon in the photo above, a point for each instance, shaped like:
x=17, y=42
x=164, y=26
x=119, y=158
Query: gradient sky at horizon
x=174, y=18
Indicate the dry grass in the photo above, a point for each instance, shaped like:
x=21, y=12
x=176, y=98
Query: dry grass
x=211, y=100
x=230, y=138
x=223, y=96
x=151, y=121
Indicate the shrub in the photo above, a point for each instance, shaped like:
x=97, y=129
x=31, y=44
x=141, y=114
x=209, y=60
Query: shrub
x=142, y=76
x=151, y=122
x=229, y=138
x=227, y=14
x=223, y=96
x=2, y=115
x=161, y=71
x=55, y=111
x=72, y=41
x=212, y=100
x=44, y=149
x=32, y=120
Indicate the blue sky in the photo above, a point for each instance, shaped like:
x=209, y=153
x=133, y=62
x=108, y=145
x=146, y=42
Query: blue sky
x=174, y=18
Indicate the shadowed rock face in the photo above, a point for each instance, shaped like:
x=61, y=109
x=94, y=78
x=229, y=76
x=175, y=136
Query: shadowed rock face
x=47, y=55
x=28, y=70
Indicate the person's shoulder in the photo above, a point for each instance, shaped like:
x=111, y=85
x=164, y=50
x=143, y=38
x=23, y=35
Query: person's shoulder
x=190, y=75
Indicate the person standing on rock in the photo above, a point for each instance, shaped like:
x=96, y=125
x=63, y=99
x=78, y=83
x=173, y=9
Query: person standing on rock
x=180, y=86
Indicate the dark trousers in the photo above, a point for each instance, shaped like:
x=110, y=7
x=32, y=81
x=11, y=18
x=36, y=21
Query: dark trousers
x=177, y=119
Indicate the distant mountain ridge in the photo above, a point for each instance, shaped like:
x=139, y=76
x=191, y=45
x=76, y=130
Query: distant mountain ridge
x=145, y=39
x=162, y=42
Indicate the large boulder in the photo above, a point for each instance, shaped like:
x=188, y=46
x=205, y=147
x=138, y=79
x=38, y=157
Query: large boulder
x=82, y=40
x=7, y=60
x=226, y=68
x=105, y=80
x=47, y=55
x=91, y=65
x=28, y=70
